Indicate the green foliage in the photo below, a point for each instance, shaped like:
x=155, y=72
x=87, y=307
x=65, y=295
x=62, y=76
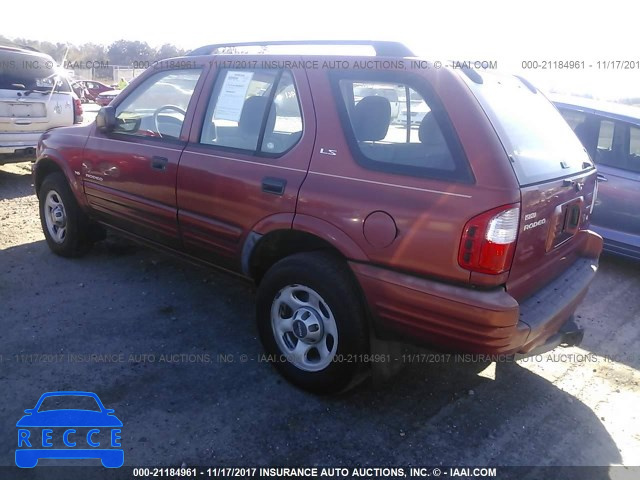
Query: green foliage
x=120, y=52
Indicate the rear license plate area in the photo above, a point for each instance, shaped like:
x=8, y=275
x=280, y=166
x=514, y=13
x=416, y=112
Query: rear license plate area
x=565, y=223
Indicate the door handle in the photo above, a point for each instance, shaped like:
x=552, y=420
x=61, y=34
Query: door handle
x=602, y=178
x=273, y=185
x=159, y=163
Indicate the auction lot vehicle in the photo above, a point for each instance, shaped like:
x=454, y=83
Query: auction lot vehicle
x=94, y=89
x=104, y=98
x=34, y=97
x=469, y=233
x=611, y=134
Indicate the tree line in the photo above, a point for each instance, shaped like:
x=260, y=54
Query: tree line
x=120, y=52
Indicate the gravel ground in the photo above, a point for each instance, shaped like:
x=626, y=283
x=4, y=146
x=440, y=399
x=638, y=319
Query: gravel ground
x=164, y=333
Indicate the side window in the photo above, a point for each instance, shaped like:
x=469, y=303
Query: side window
x=605, y=137
x=616, y=145
x=395, y=129
x=633, y=163
x=253, y=110
x=573, y=118
x=157, y=108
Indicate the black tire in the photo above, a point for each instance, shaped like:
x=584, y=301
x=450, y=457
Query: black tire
x=78, y=235
x=329, y=277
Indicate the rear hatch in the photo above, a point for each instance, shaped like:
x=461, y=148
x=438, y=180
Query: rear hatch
x=556, y=176
x=33, y=98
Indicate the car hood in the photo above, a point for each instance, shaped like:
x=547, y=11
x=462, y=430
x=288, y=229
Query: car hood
x=69, y=418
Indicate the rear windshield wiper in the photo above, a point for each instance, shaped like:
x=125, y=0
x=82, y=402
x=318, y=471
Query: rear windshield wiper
x=42, y=92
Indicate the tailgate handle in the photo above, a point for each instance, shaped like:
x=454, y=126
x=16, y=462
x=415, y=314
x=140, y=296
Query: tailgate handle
x=273, y=185
x=602, y=178
x=573, y=183
x=159, y=163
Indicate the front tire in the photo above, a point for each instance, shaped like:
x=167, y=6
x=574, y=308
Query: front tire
x=312, y=322
x=65, y=226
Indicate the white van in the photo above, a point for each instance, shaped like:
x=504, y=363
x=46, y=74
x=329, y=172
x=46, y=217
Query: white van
x=34, y=97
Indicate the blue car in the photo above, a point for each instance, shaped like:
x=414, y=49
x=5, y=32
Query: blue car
x=611, y=135
x=53, y=430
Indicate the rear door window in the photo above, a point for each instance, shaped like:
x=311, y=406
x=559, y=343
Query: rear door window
x=605, y=136
x=254, y=111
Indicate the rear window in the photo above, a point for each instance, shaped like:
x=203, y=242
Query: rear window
x=42, y=84
x=539, y=141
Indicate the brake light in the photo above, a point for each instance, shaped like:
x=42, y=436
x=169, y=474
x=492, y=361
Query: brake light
x=489, y=240
x=77, y=110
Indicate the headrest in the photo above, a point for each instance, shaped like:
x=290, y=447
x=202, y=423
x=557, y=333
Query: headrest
x=429, y=132
x=252, y=114
x=371, y=118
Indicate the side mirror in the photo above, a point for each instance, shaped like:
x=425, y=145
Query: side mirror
x=106, y=119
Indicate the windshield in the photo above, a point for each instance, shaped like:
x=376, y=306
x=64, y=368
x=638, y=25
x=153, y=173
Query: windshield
x=35, y=84
x=534, y=134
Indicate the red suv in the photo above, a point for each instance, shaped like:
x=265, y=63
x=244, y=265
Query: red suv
x=467, y=232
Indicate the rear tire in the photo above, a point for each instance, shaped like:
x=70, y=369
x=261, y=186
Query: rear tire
x=312, y=322
x=66, y=227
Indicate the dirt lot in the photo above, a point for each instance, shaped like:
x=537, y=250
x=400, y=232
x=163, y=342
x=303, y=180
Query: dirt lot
x=158, y=330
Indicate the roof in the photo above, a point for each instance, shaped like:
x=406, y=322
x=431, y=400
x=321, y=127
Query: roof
x=618, y=111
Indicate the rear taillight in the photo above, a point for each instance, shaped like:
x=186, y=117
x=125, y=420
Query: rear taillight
x=489, y=240
x=77, y=110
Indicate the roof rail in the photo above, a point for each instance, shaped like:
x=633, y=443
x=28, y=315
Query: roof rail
x=382, y=48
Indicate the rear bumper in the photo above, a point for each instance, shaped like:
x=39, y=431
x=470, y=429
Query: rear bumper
x=569, y=335
x=18, y=155
x=19, y=147
x=463, y=319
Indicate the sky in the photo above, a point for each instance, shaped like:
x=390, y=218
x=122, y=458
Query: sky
x=507, y=32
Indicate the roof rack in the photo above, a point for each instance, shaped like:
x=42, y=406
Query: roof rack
x=382, y=48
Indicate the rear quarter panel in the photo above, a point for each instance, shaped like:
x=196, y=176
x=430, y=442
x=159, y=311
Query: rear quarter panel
x=429, y=214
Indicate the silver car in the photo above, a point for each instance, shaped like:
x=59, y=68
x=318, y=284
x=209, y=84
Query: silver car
x=611, y=135
x=33, y=99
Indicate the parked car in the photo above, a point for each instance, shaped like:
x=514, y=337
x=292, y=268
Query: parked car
x=93, y=89
x=611, y=135
x=104, y=98
x=471, y=236
x=34, y=97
